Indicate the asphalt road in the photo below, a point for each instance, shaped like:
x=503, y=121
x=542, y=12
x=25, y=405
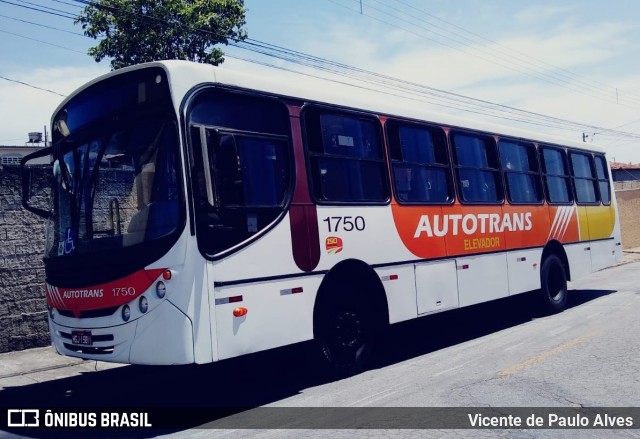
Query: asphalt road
x=501, y=354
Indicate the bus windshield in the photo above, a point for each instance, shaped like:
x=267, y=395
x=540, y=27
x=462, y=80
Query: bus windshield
x=116, y=167
x=115, y=189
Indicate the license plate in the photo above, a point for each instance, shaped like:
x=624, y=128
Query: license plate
x=82, y=338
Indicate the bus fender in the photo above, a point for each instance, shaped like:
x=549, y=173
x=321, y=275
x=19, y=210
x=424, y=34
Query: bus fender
x=554, y=247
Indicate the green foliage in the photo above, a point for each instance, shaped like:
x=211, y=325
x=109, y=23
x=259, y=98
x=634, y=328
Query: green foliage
x=135, y=31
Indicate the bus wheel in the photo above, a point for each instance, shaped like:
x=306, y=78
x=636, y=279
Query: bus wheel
x=553, y=279
x=346, y=336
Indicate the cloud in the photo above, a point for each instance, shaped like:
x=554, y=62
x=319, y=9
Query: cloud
x=543, y=13
x=24, y=109
x=568, y=70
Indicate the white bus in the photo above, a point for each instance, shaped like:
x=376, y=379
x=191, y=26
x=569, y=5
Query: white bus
x=200, y=213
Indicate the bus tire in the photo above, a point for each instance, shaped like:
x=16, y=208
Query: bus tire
x=346, y=334
x=553, y=281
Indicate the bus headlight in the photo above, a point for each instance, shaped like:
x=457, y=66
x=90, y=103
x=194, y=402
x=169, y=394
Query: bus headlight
x=143, y=304
x=126, y=313
x=161, y=289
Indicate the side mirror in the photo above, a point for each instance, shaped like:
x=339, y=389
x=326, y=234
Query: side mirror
x=36, y=183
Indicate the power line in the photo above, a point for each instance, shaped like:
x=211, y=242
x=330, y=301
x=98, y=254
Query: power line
x=32, y=86
x=40, y=41
x=553, y=70
x=407, y=86
x=51, y=11
x=361, y=74
x=510, y=63
x=67, y=3
x=564, y=72
x=483, y=112
x=42, y=25
x=410, y=90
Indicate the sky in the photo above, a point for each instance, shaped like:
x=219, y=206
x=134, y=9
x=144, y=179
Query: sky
x=572, y=66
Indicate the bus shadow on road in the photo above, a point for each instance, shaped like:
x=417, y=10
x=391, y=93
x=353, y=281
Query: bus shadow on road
x=424, y=335
x=262, y=378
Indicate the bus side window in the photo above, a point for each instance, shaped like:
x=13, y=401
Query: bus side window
x=225, y=163
x=420, y=165
x=477, y=172
x=346, y=158
x=249, y=178
x=242, y=173
x=264, y=171
x=557, y=180
x=603, y=180
x=522, y=175
x=584, y=180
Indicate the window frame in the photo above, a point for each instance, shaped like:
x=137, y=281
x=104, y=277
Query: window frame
x=196, y=159
x=537, y=173
x=392, y=132
x=567, y=176
x=499, y=181
x=309, y=111
x=606, y=179
x=593, y=179
x=237, y=135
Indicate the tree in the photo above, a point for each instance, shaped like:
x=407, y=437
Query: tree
x=135, y=31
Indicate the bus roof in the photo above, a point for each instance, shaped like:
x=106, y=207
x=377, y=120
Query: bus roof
x=185, y=75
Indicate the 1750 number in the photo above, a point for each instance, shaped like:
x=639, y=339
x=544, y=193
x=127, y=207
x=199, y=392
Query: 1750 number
x=123, y=291
x=344, y=223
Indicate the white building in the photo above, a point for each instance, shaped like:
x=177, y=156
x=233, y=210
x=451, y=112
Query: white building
x=11, y=155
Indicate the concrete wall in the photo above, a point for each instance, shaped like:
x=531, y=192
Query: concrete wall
x=23, y=311
x=629, y=208
x=625, y=185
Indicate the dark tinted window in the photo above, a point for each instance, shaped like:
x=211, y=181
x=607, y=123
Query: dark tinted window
x=241, y=167
x=584, y=180
x=252, y=171
x=603, y=180
x=346, y=157
x=350, y=137
x=520, y=167
x=419, y=164
x=127, y=96
x=477, y=171
x=239, y=111
x=556, y=176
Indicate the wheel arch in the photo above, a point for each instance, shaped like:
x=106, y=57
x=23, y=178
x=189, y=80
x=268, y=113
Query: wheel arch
x=359, y=278
x=554, y=247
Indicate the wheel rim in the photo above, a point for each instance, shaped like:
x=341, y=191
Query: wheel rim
x=346, y=337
